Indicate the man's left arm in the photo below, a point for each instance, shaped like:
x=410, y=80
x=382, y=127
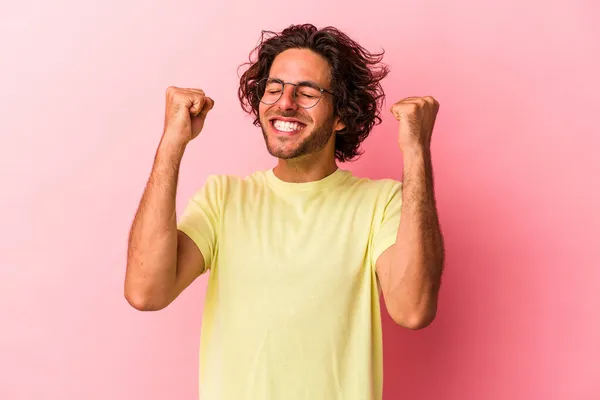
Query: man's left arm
x=410, y=271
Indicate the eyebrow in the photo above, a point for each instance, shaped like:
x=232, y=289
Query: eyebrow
x=312, y=84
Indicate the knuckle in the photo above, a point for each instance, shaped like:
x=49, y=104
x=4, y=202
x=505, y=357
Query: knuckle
x=411, y=107
x=175, y=94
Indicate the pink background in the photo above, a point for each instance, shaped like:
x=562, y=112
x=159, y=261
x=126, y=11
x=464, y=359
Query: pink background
x=515, y=154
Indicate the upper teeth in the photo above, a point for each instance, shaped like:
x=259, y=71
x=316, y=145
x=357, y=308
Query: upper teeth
x=287, y=126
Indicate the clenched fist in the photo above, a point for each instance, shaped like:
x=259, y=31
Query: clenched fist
x=417, y=117
x=185, y=112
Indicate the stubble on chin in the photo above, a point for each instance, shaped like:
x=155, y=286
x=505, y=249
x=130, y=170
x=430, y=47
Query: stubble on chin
x=311, y=142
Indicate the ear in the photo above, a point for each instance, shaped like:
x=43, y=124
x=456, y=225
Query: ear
x=339, y=126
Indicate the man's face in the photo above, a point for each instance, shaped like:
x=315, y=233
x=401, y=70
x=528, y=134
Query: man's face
x=305, y=131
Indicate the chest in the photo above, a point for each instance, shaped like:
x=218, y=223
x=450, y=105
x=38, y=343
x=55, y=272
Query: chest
x=287, y=240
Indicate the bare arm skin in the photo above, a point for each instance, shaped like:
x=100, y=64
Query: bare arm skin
x=162, y=261
x=410, y=271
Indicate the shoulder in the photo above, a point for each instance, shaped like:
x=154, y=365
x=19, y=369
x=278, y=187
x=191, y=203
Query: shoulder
x=225, y=183
x=381, y=188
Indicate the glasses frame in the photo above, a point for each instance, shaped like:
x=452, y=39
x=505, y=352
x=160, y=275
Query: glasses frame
x=310, y=84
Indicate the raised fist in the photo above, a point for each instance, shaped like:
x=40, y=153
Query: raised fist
x=185, y=112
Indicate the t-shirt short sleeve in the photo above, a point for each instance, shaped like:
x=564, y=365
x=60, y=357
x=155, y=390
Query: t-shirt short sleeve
x=385, y=235
x=201, y=218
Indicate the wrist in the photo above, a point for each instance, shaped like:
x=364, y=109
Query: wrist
x=171, y=148
x=173, y=141
x=416, y=152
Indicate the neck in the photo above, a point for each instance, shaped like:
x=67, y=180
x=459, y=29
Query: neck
x=302, y=170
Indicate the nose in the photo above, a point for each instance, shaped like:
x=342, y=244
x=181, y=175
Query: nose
x=286, y=102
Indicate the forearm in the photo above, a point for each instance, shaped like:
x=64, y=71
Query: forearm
x=152, y=252
x=416, y=267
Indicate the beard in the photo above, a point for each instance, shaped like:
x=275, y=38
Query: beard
x=303, y=144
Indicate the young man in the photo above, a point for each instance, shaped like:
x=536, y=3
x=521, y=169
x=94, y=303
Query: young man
x=297, y=254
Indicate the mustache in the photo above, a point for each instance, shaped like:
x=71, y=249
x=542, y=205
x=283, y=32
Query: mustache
x=290, y=114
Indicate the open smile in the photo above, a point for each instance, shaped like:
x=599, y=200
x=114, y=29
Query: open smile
x=287, y=127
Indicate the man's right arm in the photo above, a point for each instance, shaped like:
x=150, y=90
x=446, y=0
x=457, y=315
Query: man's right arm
x=161, y=260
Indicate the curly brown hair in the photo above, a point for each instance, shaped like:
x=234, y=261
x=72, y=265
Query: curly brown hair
x=355, y=73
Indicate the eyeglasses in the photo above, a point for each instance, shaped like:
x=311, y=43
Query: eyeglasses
x=306, y=94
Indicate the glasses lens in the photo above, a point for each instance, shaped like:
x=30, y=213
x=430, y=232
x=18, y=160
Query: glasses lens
x=271, y=90
x=307, y=96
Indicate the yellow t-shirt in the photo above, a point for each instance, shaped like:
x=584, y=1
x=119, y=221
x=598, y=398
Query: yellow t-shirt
x=292, y=305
